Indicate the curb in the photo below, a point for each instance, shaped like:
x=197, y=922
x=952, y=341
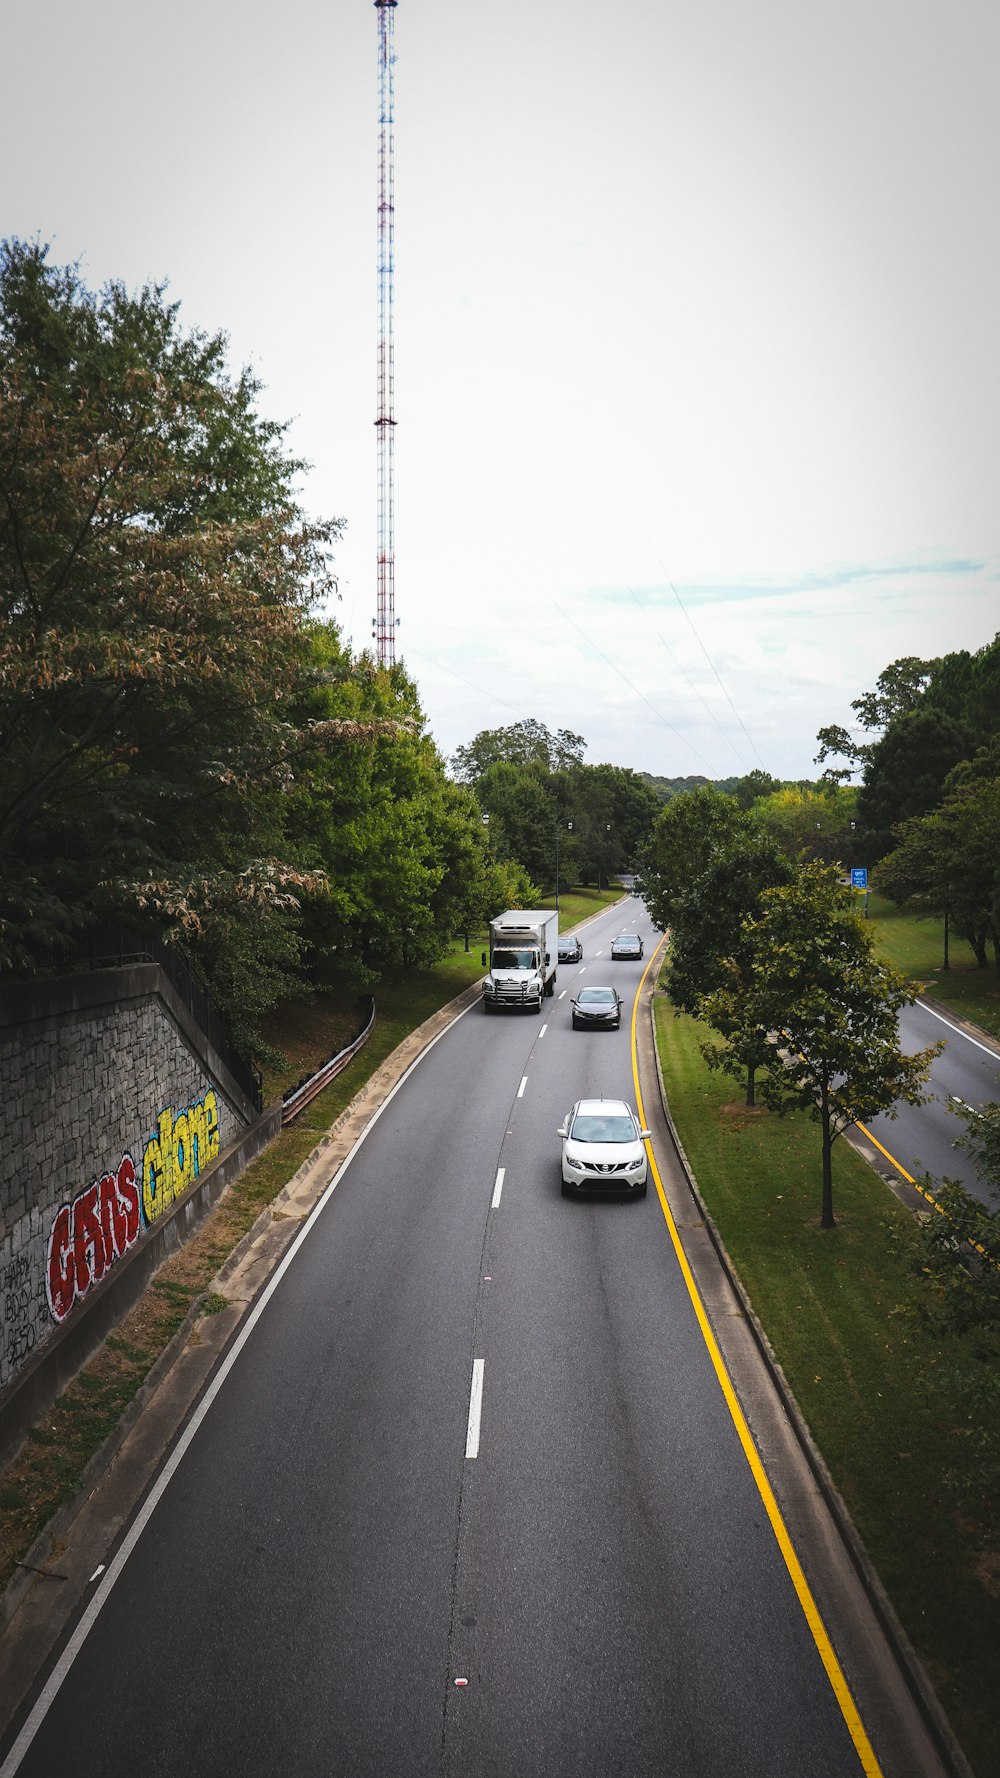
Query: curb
x=908, y=1661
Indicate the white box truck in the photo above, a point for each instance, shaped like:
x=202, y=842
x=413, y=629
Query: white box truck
x=522, y=962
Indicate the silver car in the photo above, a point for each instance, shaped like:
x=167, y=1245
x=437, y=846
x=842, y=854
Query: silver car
x=603, y=1149
x=627, y=944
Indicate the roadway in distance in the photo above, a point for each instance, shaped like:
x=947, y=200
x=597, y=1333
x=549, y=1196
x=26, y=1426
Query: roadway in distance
x=329, y=1584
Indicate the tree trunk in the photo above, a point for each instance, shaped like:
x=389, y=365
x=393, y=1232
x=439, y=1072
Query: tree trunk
x=751, y=1084
x=946, y=964
x=978, y=943
x=826, y=1221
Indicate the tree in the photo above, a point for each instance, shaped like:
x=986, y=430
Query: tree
x=809, y=823
x=155, y=567
x=905, y=773
x=689, y=830
x=710, y=952
x=613, y=811
x=521, y=744
x=898, y=689
x=522, y=809
x=830, y=1009
x=401, y=846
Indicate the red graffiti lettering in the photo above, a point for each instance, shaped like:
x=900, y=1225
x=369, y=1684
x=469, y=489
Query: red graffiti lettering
x=88, y=1235
x=128, y=1192
x=88, y=1241
x=60, y=1271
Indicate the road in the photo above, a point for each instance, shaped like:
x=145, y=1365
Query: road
x=920, y=1138
x=346, y=1573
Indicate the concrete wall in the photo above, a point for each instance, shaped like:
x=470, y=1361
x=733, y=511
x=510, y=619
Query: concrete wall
x=113, y=1110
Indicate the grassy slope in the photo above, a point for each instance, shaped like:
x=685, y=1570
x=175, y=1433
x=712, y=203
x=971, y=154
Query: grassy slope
x=916, y=946
x=839, y=1310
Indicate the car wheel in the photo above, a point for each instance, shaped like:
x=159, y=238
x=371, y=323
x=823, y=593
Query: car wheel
x=576, y=1024
x=641, y=1193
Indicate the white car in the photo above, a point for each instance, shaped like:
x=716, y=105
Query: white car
x=603, y=1149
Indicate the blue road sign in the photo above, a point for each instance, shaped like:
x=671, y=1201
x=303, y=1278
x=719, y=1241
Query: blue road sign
x=859, y=877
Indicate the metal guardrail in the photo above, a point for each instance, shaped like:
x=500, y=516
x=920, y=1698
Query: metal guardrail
x=297, y=1098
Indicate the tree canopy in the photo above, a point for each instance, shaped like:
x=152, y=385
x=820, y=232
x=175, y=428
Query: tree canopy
x=154, y=569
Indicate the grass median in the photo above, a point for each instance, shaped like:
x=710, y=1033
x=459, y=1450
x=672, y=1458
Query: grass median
x=47, y=1471
x=886, y=1404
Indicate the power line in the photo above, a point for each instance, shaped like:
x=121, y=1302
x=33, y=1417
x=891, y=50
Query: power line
x=708, y=657
x=682, y=669
x=632, y=688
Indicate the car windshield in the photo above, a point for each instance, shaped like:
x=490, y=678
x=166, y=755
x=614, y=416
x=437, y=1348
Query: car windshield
x=515, y=960
x=596, y=996
x=589, y=1127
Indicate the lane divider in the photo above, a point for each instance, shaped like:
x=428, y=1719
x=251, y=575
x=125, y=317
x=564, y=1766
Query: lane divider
x=810, y=1610
x=475, y=1408
x=498, y=1188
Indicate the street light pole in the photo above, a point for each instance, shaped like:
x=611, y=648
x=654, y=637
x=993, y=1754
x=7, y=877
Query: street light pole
x=569, y=829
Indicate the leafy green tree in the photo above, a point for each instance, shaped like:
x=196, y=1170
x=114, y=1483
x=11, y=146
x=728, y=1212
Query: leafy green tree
x=710, y=950
x=613, y=811
x=688, y=832
x=155, y=567
x=755, y=785
x=898, y=689
x=521, y=744
x=831, y=1011
x=905, y=773
x=810, y=823
x=522, y=808
x=401, y=846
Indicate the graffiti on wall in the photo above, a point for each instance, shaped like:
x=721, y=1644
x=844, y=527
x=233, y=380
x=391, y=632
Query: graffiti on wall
x=18, y=1327
x=106, y=1219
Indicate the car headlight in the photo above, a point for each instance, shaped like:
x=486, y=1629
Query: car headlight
x=578, y=1166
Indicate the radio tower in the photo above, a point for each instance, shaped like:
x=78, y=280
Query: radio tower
x=385, y=621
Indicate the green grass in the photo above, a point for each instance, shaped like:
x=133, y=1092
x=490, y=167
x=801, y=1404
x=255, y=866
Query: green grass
x=840, y=1310
x=916, y=946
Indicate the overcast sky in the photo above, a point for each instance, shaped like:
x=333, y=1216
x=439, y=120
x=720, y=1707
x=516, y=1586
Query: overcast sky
x=697, y=376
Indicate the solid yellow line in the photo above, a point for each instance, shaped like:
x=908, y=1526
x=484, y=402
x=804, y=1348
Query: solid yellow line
x=834, y=1672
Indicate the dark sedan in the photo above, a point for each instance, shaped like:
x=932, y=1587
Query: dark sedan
x=570, y=949
x=597, y=1006
x=627, y=944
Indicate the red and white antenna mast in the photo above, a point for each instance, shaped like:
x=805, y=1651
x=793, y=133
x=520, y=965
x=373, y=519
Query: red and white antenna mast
x=385, y=621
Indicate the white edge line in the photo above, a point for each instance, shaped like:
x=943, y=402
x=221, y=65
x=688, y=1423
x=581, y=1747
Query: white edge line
x=475, y=1408
x=498, y=1188
x=47, y=1696
x=958, y=1033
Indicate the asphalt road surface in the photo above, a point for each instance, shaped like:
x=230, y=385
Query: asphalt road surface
x=350, y=1573
x=921, y=1138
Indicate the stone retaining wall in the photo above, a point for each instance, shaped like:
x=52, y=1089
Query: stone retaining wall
x=112, y=1105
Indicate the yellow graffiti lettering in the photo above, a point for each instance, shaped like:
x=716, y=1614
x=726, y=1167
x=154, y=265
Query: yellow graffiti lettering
x=211, y=1104
x=183, y=1158
x=179, y=1149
